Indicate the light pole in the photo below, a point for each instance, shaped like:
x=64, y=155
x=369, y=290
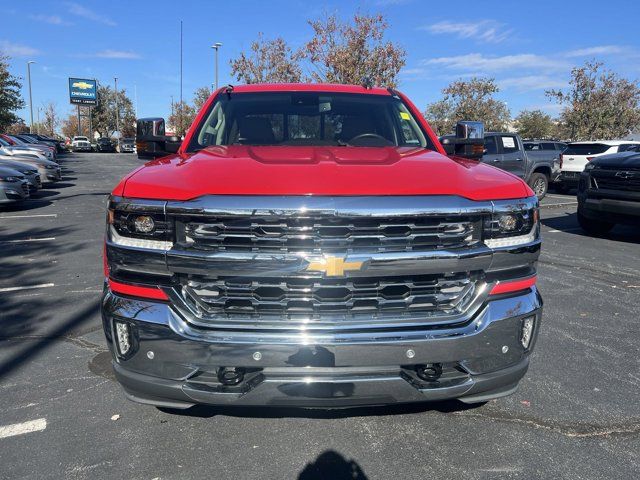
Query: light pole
x=216, y=46
x=30, y=97
x=115, y=79
x=38, y=122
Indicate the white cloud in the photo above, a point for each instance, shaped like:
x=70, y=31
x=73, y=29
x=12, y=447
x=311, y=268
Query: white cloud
x=51, y=19
x=488, y=31
x=531, y=82
x=490, y=63
x=600, y=50
x=16, y=49
x=120, y=54
x=83, y=12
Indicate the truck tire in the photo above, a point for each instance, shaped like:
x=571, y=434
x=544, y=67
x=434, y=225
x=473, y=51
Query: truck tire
x=539, y=183
x=594, y=227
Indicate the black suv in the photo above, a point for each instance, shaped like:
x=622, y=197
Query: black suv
x=105, y=145
x=609, y=192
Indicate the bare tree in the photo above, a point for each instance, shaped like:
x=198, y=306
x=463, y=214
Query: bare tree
x=353, y=53
x=598, y=104
x=269, y=61
x=469, y=100
x=51, y=118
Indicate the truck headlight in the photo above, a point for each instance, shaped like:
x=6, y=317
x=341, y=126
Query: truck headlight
x=131, y=226
x=9, y=179
x=512, y=226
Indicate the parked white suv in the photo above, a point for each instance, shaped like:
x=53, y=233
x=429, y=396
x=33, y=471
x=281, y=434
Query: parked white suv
x=80, y=144
x=579, y=154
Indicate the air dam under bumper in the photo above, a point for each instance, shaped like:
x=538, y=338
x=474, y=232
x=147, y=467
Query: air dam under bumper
x=481, y=360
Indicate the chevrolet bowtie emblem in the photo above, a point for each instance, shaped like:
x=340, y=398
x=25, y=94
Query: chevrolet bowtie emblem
x=333, y=266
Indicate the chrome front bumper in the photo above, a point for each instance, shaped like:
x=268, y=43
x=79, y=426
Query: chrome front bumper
x=170, y=358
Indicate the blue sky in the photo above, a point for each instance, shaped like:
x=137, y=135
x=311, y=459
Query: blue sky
x=527, y=46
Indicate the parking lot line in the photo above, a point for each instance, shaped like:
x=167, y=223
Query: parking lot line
x=29, y=216
x=47, y=239
x=27, y=287
x=24, y=427
x=554, y=230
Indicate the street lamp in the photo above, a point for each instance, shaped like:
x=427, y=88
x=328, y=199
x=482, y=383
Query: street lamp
x=115, y=79
x=216, y=46
x=30, y=97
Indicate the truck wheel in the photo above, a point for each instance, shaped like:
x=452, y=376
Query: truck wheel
x=594, y=227
x=539, y=183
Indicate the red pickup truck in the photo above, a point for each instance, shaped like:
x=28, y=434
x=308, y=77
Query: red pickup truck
x=314, y=246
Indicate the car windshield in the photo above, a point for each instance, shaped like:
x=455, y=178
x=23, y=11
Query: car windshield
x=81, y=139
x=18, y=141
x=27, y=139
x=586, y=149
x=309, y=118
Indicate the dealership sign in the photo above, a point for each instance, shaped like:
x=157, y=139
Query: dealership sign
x=83, y=91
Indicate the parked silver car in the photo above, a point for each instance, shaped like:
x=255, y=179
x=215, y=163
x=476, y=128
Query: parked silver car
x=22, y=151
x=13, y=186
x=29, y=171
x=46, y=150
x=48, y=171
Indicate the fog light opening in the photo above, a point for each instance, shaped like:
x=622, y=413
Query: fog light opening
x=123, y=336
x=230, y=375
x=527, y=331
x=430, y=372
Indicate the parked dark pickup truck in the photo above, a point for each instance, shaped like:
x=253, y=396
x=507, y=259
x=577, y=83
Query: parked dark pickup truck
x=609, y=192
x=506, y=151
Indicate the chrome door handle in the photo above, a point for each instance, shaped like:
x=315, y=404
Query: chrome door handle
x=496, y=160
x=518, y=159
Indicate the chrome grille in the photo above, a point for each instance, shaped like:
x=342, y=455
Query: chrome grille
x=328, y=299
x=325, y=234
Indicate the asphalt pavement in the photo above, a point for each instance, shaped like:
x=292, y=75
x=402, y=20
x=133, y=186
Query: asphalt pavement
x=575, y=416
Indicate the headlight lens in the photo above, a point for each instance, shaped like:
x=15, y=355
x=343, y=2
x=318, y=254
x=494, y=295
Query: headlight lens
x=10, y=179
x=139, y=229
x=589, y=166
x=511, y=227
x=50, y=167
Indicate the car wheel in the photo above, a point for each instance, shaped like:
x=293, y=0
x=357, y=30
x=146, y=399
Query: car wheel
x=594, y=227
x=539, y=183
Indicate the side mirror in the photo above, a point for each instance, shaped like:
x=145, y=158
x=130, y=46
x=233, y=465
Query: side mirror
x=151, y=141
x=468, y=141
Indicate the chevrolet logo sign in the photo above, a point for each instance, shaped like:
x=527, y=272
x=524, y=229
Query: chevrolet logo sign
x=333, y=266
x=82, y=85
x=625, y=174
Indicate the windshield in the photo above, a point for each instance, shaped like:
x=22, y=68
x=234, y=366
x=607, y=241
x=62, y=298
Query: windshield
x=80, y=139
x=17, y=140
x=309, y=118
x=27, y=139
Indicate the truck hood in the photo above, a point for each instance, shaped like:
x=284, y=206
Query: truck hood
x=339, y=171
x=630, y=160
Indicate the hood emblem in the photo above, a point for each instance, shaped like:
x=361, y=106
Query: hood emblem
x=625, y=174
x=333, y=266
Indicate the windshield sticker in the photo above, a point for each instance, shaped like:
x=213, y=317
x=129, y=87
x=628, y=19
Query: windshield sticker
x=405, y=116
